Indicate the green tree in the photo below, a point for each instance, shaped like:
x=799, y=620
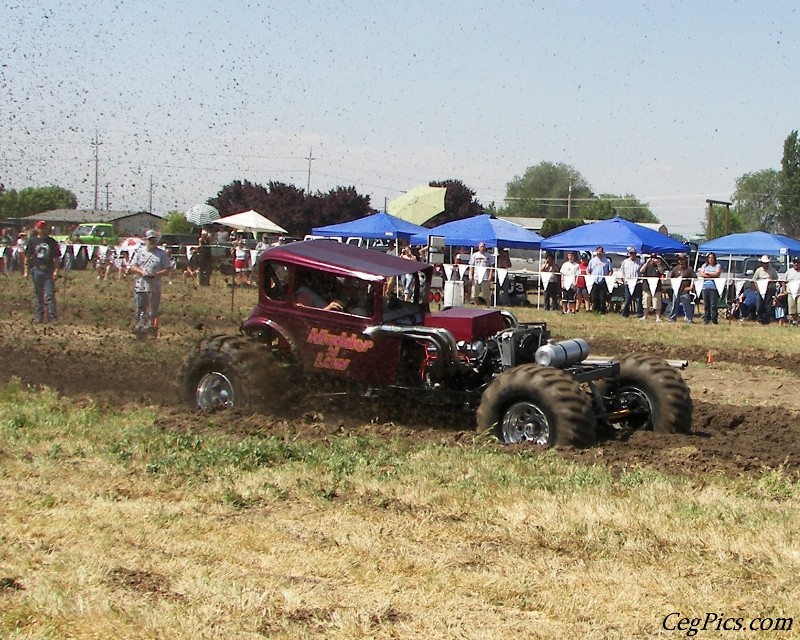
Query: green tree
x=545, y=191
x=789, y=195
x=553, y=226
x=176, y=222
x=756, y=201
x=608, y=205
x=33, y=200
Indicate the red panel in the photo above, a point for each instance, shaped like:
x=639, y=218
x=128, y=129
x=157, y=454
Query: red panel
x=467, y=323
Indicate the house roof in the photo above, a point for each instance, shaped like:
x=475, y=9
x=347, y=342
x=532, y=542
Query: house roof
x=85, y=215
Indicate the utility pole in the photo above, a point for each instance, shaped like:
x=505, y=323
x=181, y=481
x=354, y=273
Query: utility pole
x=150, y=209
x=96, y=144
x=108, y=206
x=709, y=217
x=308, y=184
x=569, y=201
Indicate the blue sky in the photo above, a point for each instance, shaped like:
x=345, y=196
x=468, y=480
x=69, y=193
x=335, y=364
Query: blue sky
x=668, y=101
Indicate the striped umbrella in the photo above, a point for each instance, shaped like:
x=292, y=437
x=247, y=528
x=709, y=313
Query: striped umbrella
x=201, y=214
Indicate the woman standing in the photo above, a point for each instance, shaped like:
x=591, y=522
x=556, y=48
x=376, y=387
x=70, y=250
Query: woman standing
x=708, y=272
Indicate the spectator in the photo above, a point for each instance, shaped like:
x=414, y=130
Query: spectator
x=793, y=276
x=569, y=276
x=709, y=271
x=652, y=299
x=43, y=256
x=633, y=295
x=150, y=263
x=748, y=302
x=682, y=294
x=599, y=267
x=553, y=286
x=407, y=279
x=241, y=262
x=581, y=289
x=480, y=274
x=503, y=289
x=764, y=310
x=192, y=269
x=205, y=260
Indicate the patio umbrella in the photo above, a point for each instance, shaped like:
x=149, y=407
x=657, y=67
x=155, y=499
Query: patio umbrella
x=201, y=214
x=418, y=205
x=251, y=221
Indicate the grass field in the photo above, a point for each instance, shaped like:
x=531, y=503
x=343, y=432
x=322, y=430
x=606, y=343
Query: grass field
x=117, y=525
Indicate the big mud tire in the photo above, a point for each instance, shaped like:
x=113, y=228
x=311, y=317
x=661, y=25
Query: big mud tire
x=225, y=372
x=537, y=405
x=649, y=382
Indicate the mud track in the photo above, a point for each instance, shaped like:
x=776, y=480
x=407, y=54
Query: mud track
x=727, y=439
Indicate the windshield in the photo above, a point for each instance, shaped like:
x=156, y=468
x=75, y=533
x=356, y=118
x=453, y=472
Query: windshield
x=84, y=230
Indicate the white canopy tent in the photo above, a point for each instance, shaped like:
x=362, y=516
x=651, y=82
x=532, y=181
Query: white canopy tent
x=251, y=221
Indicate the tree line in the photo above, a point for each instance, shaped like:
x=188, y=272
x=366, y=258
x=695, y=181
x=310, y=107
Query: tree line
x=767, y=200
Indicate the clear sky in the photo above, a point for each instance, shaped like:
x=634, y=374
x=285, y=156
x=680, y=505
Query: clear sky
x=668, y=101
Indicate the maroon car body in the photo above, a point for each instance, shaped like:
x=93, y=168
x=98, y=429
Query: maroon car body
x=330, y=309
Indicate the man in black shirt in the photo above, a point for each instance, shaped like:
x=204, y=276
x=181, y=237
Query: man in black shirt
x=44, y=256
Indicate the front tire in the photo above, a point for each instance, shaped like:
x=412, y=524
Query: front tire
x=655, y=392
x=225, y=372
x=537, y=405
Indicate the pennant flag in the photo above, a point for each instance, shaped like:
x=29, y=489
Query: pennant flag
x=589, y=285
x=462, y=269
x=698, y=286
x=501, y=275
x=567, y=282
x=675, y=283
x=448, y=270
x=762, y=286
x=631, y=283
x=479, y=274
x=652, y=283
x=253, y=256
x=738, y=286
x=611, y=282
x=546, y=276
x=720, y=282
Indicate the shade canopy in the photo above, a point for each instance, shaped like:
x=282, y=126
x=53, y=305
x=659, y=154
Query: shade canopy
x=201, y=214
x=419, y=204
x=251, y=221
x=615, y=235
x=753, y=243
x=470, y=232
x=377, y=225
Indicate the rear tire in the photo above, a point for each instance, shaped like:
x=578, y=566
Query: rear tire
x=225, y=372
x=650, y=384
x=537, y=405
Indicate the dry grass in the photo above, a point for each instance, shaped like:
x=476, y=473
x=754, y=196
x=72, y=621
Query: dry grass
x=113, y=528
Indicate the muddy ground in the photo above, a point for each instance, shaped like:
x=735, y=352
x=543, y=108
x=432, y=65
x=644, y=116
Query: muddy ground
x=746, y=408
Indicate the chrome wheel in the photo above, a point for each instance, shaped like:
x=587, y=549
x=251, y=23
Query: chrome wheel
x=525, y=422
x=214, y=391
x=637, y=404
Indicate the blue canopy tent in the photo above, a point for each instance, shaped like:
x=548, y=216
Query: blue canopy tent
x=615, y=236
x=484, y=228
x=377, y=225
x=752, y=244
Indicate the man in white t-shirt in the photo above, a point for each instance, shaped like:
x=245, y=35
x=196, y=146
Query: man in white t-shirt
x=480, y=273
x=569, y=276
x=793, y=275
x=630, y=273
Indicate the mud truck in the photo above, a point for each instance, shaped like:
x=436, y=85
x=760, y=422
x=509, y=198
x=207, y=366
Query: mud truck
x=328, y=311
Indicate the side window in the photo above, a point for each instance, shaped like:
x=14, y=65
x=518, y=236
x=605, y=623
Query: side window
x=276, y=280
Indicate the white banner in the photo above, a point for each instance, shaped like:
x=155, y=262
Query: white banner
x=611, y=282
x=652, y=283
x=631, y=283
x=720, y=282
x=479, y=274
x=546, y=277
x=567, y=282
x=762, y=286
x=501, y=275
x=589, y=285
x=698, y=286
x=675, y=283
